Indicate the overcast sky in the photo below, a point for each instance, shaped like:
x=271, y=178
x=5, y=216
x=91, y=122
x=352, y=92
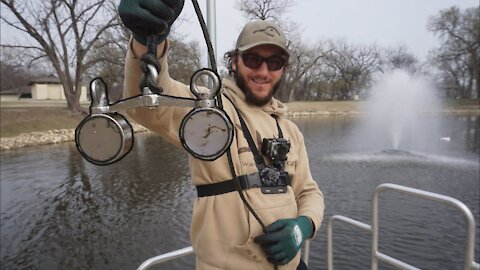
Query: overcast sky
x=384, y=22
x=387, y=23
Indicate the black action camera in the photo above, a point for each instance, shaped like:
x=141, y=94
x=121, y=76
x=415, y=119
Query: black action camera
x=275, y=178
x=276, y=150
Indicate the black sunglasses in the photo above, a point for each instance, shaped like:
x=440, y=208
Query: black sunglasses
x=254, y=61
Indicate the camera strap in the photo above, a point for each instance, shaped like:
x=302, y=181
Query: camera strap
x=248, y=136
x=280, y=134
x=248, y=181
x=262, y=168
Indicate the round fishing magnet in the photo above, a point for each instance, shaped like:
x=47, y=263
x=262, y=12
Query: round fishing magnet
x=103, y=139
x=206, y=133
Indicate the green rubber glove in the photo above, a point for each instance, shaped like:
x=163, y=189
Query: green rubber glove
x=145, y=17
x=284, y=238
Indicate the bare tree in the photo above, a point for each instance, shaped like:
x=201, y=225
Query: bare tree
x=12, y=77
x=107, y=60
x=14, y=73
x=400, y=58
x=323, y=71
x=264, y=9
x=64, y=32
x=184, y=59
x=458, y=56
x=454, y=77
x=302, y=64
x=302, y=58
x=354, y=66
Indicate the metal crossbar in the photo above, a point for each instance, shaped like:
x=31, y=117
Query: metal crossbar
x=166, y=257
x=469, y=263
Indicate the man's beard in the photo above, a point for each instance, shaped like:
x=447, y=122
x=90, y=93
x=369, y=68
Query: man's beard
x=250, y=96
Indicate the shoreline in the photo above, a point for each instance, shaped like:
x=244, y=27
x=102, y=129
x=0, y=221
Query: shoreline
x=56, y=136
x=39, y=138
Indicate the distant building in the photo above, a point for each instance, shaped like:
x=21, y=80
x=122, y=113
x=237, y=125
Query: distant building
x=14, y=94
x=51, y=88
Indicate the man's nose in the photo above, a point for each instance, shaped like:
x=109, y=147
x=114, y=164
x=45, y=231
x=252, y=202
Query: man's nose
x=263, y=68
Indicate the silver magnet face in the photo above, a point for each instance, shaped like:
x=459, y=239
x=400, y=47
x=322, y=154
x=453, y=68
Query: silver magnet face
x=206, y=133
x=103, y=139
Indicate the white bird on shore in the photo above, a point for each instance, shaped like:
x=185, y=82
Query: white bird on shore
x=445, y=139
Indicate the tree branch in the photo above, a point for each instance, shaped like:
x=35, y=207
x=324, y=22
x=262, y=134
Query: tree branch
x=25, y=47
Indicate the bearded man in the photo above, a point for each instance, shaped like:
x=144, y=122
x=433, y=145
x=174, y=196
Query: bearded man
x=224, y=232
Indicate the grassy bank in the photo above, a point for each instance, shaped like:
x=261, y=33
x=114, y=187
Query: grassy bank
x=18, y=117
x=17, y=120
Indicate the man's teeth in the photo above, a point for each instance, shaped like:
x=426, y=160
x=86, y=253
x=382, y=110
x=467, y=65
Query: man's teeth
x=260, y=81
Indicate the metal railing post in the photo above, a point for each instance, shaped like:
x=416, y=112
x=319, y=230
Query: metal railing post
x=469, y=260
x=374, y=244
x=306, y=251
x=350, y=221
x=330, y=243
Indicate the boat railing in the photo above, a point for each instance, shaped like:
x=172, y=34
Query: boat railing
x=166, y=257
x=376, y=255
x=189, y=250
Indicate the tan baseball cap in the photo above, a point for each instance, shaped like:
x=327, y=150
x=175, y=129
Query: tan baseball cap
x=261, y=32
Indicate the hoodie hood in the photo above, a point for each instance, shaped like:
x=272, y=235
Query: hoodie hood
x=231, y=90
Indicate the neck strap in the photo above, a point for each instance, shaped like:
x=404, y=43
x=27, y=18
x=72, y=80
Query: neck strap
x=248, y=136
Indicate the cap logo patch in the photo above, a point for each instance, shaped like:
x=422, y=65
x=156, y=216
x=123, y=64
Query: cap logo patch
x=270, y=31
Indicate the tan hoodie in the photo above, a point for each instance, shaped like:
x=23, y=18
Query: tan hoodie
x=222, y=229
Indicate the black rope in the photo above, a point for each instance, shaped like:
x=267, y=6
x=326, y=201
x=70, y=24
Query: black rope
x=220, y=105
x=150, y=58
x=280, y=134
x=253, y=147
x=152, y=44
x=211, y=53
x=213, y=64
x=147, y=79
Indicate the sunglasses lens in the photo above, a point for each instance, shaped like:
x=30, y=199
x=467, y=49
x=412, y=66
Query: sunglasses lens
x=251, y=60
x=275, y=63
x=254, y=61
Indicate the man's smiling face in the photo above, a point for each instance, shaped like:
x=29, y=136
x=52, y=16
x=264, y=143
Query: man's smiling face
x=258, y=84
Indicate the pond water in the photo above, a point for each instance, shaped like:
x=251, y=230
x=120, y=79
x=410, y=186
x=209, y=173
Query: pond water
x=60, y=212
